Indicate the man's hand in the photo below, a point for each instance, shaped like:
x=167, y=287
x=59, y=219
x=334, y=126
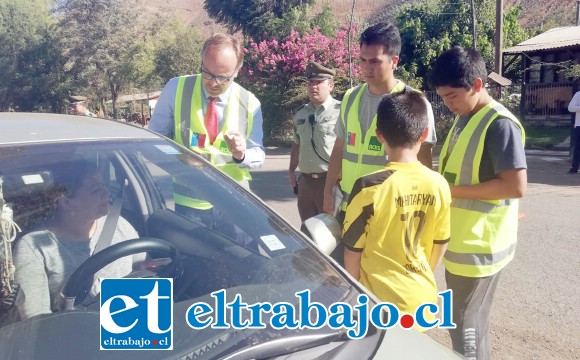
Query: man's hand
x=293, y=182
x=236, y=144
x=328, y=202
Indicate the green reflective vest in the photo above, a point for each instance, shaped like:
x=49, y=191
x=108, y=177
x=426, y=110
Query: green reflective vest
x=361, y=155
x=190, y=130
x=189, y=123
x=483, y=232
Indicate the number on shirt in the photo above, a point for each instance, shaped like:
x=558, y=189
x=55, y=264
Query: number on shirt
x=410, y=220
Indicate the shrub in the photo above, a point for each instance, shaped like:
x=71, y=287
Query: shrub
x=274, y=72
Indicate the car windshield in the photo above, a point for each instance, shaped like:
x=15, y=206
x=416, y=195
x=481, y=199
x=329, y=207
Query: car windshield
x=227, y=238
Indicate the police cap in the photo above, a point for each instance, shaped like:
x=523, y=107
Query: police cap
x=76, y=99
x=315, y=71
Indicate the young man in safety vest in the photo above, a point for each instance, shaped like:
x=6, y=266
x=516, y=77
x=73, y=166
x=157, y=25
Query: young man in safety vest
x=357, y=150
x=211, y=114
x=484, y=162
x=396, y=226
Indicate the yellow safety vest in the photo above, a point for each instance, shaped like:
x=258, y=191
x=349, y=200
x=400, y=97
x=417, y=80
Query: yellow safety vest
x=360, y=156
x=483, y=232
x=190, y=128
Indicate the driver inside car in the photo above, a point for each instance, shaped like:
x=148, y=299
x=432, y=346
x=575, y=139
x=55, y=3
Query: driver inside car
x=47, y=256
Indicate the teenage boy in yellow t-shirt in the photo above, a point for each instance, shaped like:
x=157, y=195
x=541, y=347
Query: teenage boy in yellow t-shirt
x=396, y=226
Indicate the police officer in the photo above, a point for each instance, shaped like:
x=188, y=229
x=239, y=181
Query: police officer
x=78, y=106
x=314, y=138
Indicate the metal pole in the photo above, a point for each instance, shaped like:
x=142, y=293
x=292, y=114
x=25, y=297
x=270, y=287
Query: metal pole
x=498, y=35
x=578, y=13
x=473, y=25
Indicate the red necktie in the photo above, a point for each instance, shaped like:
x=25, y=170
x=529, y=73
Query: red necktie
x=211, y=120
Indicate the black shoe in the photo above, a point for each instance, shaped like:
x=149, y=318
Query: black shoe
x=573, y=171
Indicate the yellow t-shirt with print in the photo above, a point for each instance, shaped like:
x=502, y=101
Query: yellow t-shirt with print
x=394, y=217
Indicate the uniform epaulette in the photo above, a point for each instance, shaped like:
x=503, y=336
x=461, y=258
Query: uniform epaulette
x=300, y=107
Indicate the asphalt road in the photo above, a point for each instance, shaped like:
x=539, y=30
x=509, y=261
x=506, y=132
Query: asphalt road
x=536, y=311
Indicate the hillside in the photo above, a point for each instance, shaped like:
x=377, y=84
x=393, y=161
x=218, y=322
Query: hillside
x=536, y=14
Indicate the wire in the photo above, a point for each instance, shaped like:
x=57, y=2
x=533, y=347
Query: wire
x=349, y=48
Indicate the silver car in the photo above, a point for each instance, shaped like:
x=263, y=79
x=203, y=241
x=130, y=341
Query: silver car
x=233, y=247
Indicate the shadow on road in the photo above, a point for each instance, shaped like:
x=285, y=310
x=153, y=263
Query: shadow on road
x=551, y=170
x=278, y=190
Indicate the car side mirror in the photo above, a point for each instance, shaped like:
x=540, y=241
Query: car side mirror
x=324, y=231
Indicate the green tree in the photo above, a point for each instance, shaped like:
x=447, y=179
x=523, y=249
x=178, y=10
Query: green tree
x=263, y=19
x=177, y=50
x=31, y=78
x=429, y=28
x=102, y=38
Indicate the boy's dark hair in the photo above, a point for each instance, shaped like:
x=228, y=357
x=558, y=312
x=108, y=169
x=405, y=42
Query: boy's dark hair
x=383, y=33
x=402, y=118
x=457, y=67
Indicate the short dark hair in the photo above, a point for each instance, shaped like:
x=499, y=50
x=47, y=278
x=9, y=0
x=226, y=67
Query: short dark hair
x=457, y=67
x=70, y=175
x=402, y=118
x=383, y=33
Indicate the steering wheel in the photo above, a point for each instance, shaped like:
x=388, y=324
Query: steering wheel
x=81, y=280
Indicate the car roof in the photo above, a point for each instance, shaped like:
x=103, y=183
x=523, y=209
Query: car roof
x=16, y=128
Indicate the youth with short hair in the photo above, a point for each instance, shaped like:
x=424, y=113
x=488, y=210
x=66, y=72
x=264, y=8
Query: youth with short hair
x=396, y=226
x=484, y=162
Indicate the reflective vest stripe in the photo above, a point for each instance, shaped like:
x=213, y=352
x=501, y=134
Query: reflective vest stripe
x=185, y=196
x=191, y=202
x=470, y=172
x=483, y=232
x=480, y=206
x=480, y=259
x=374, y=160
x=238, y=115
x=244, y=113
x=177, y=114
x=361, y=155
x=351, y=98
x=349, y=157
x=365, y=159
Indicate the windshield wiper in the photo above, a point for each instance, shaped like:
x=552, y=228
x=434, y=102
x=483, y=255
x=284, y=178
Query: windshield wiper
x=287, y=345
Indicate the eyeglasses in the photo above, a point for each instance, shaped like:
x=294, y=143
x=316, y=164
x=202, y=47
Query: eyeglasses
x=220, y=80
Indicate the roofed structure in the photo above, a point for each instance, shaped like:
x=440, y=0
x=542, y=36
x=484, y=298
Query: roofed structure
x=556, y=38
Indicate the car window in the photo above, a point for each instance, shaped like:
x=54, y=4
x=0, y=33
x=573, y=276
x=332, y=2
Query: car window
x=232, y=242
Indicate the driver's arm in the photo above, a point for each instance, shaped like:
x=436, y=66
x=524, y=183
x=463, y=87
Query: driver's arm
x=34, y=297
x=125, y=265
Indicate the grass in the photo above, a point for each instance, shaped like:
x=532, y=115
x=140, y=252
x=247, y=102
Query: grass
x=545, y=137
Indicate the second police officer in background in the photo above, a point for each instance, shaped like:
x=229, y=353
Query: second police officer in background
x=313, y=140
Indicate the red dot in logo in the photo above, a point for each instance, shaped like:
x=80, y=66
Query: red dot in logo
x=407, y=321
x=154, y=342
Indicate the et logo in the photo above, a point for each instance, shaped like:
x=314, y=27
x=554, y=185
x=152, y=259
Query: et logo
x=136, y=314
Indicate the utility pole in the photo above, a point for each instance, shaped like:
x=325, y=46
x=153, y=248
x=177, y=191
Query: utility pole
x=473, y=25
x=498, y=35
x=578, y=13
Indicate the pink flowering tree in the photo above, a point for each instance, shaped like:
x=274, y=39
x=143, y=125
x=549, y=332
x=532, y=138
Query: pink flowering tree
x=274, y=72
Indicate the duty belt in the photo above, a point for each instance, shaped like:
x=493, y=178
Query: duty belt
x=315, y=175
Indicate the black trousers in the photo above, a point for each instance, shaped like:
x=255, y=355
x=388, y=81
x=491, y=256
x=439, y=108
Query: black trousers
x=472, y=300
x=576, y=152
